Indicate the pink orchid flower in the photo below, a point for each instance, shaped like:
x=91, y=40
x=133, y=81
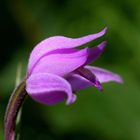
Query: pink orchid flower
x=57, y=69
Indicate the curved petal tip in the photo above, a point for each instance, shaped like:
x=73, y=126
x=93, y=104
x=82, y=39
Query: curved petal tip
x=49, y=89
x=105, y=76
x=105, y=29
x=71, y=99
x=102, y=45
x=119, y=79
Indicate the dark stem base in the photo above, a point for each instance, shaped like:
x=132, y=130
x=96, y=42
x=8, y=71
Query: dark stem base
x=13, y=107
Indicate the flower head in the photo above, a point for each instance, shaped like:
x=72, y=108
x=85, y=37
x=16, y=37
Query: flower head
x=57, y=69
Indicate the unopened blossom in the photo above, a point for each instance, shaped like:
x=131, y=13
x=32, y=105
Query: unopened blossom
x=57, y=69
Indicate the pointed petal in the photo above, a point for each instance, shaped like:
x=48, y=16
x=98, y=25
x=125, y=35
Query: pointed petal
x=59, y=42
x=61, y=64
x=105, y=75
x=95, y=52
x=49, y=89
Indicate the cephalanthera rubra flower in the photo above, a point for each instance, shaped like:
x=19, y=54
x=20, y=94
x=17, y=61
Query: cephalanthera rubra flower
x=57, y=69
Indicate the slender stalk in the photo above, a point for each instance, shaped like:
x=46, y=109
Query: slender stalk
x=13, y=107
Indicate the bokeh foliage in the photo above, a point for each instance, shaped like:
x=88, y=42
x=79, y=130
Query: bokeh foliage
x=113, y=114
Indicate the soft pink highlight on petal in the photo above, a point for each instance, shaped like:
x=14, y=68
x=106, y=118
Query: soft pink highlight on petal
x=59, y=42
x=105, y=75
x=61, y=64
x=49, y=89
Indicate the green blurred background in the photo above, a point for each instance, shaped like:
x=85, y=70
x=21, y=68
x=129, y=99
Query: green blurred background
x=111, y=115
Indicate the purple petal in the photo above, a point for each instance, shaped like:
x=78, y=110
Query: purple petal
x=82, y=78
x=49, y=89
x=95, y=52
x=104, y=75
x=78, y=82
x=89, y=76
x=61, y=64
x=59, y=42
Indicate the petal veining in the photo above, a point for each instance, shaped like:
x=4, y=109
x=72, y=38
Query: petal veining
x=49, y=89
x=61, y=64
x=59, y=42
x=104, y=75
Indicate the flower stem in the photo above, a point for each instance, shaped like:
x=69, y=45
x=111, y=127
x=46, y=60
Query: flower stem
x=13, y=107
